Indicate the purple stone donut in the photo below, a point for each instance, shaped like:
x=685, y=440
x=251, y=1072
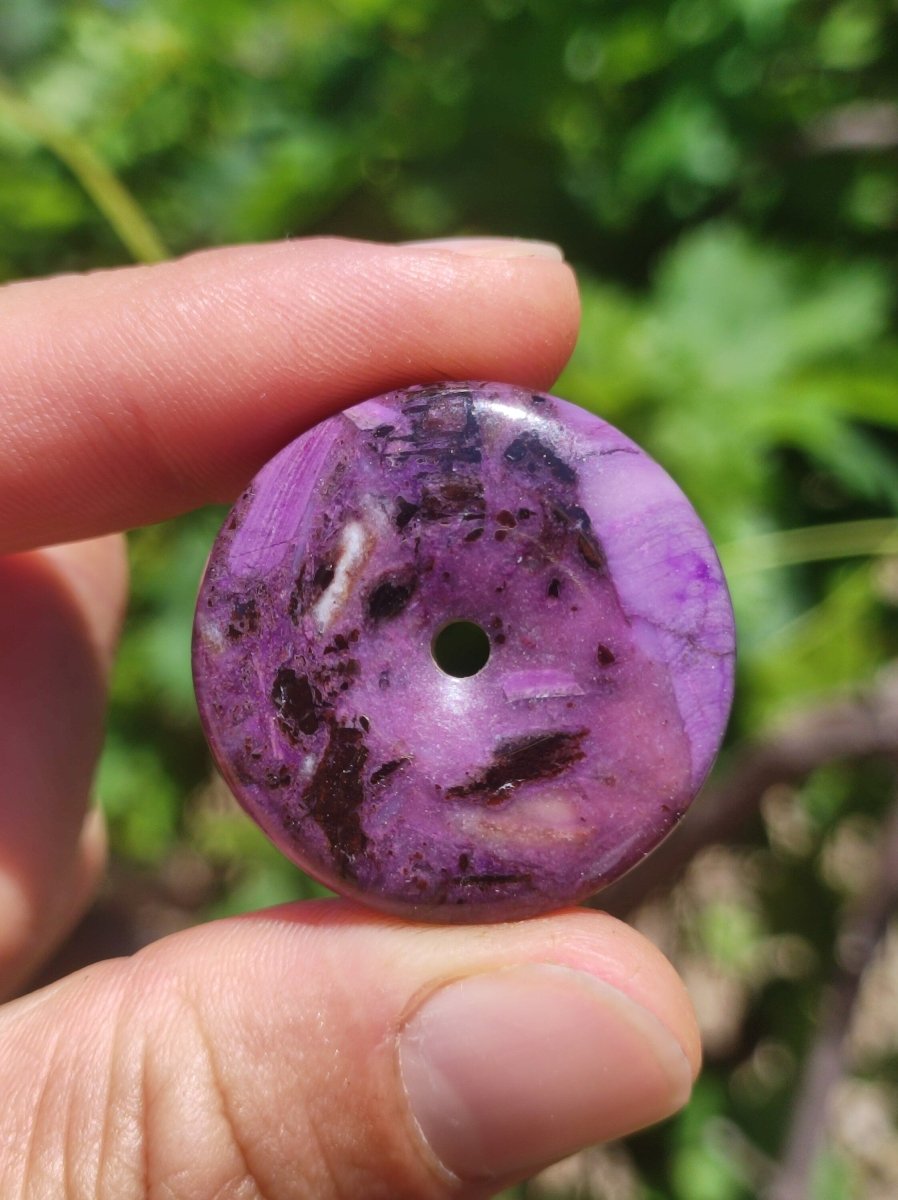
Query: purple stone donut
x=465, y=652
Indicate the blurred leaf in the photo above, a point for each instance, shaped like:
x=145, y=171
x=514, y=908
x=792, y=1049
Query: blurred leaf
x=731, y=934
x=109, y=194
x=833, y=1178
x=831, y=646
x=258, y=888
x=850, y=35
x=699, y=1171
x=703, y=1174
x=685, y=137
x=139, y=798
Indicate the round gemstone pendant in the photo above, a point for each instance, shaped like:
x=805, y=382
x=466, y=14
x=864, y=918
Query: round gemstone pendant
x=464, y=651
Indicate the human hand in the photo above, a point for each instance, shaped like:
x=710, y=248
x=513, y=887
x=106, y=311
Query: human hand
x=315, y=1050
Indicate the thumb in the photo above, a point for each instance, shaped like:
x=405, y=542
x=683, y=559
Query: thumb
x=323, y=1052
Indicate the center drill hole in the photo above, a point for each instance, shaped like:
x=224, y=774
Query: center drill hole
x=461, y=648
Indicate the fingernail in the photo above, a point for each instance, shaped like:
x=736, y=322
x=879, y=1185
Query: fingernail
x=509, y=1071
x=490, y=247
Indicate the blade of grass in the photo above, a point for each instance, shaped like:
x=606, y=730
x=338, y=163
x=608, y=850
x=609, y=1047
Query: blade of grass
x=816, y=543
x=106, y=190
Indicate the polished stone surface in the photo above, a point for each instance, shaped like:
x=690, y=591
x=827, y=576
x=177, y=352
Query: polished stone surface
x=521, y=788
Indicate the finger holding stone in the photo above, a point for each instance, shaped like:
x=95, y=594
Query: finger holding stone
x=60, y=613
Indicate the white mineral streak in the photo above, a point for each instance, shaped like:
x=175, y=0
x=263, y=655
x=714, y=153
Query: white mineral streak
x=281, y=491
x=210, y=628
x=547, y=683
x=355, y=541
x=370, y=414
x=542, y=818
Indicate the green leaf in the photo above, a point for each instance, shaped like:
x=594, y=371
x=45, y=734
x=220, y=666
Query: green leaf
x=732, y=935
x=834, y=1177
x=139, y=798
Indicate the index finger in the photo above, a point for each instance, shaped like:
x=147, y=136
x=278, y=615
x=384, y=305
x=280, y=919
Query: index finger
x=134, y=394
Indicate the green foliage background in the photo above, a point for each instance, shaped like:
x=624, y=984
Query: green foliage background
x=723, y=173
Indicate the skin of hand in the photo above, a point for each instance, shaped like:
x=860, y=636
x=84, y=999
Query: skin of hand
x=315, y=1050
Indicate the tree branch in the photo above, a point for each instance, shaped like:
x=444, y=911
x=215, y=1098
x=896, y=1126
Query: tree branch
x=857, y=127
x=861, y=937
